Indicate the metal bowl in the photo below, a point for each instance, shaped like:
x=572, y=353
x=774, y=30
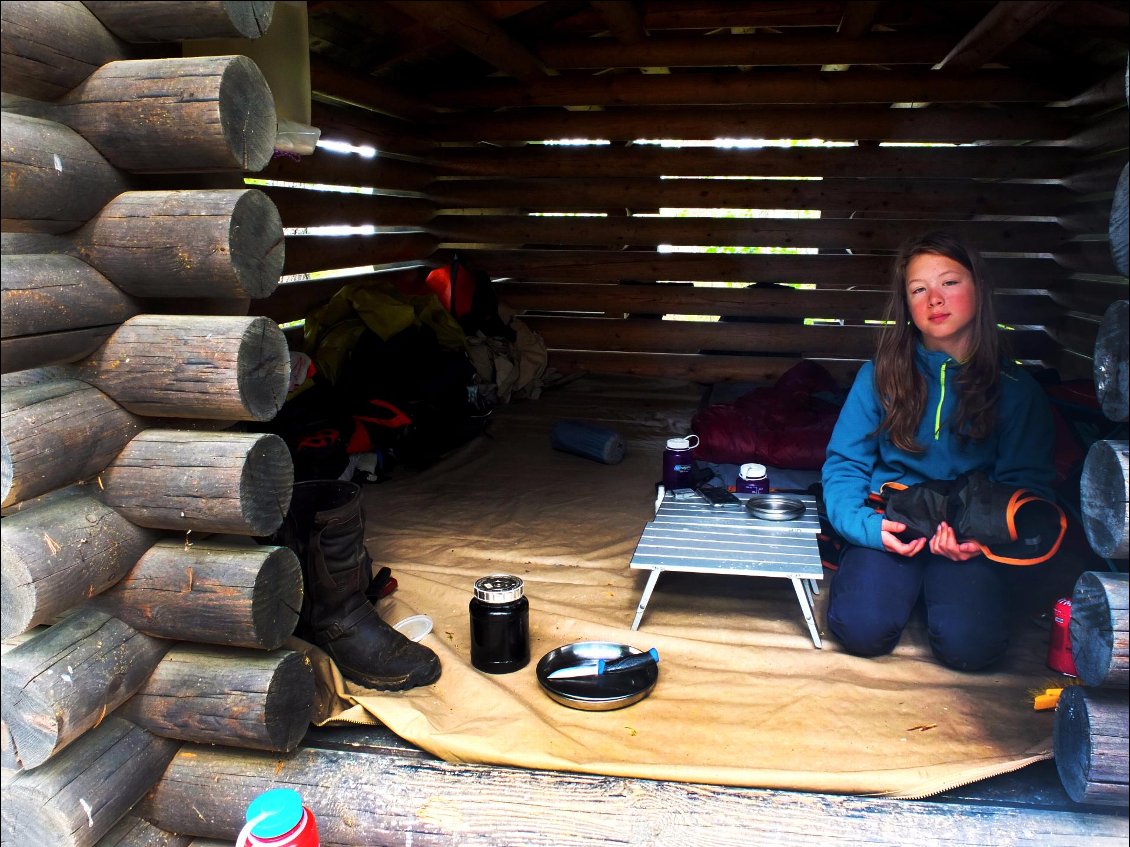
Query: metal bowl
x=775, y=507
x=595, y=693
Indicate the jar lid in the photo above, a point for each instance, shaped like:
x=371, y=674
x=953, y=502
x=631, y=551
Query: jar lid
x=752, y=471
x=281, y=809
x=678, y=444
x=498, y=588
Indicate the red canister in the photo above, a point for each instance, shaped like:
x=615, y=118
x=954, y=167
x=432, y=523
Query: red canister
x=1059, y=639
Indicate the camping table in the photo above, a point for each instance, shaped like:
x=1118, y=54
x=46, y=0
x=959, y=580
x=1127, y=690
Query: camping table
x=690, y=536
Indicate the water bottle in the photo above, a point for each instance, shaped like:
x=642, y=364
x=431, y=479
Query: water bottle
x=678, y=462
x=752, y=479
x=277, y=818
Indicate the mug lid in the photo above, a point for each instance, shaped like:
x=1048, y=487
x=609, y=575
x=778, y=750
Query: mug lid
x=678, y=444
x=499, y=588
x=751, y=470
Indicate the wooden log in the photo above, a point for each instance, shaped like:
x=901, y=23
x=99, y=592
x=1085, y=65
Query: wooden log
x=65, y=680
x=431, y=803
x=205, y=481
x=1120, y=222
x=56, y=434
x=78, y=797
x=132, y=831
x=54, y=180
x=59, y=553
x=216, y=367
x=142, y=21
x=212, y=113
x=53, y=348
x=208, y=243
x=1090, y=737
x=316, y=253
x=1100, y=618
x=299, y=208
x=1103, y=494
x=52, y=293
x=47, y=48
x=238, y=698
x=210, y=593
x=1112, y=361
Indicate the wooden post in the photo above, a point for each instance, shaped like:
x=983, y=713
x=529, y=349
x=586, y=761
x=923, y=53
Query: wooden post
x=1090, y=737
x=211, y=593
x=54, y=180
x=187, y=366
x=238, y=698
x=212, y=243
x=205, y=481
x=58, y=554
x=1104, y=490
x=79, y=796
x=66, y=679
x=213, y=113
x=58, y=433
x=1112, y=361
x=1100, y=619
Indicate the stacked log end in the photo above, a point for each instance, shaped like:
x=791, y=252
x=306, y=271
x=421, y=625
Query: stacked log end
x=130, y=623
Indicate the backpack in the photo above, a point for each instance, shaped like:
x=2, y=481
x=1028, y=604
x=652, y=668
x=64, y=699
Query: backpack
x=470, y=298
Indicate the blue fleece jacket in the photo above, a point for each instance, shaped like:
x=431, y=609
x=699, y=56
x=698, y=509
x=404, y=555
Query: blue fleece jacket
x=1018, y=452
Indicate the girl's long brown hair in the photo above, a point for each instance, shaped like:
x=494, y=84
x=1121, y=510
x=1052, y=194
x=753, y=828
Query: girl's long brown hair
x=901, y=387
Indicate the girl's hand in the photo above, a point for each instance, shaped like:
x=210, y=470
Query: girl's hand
x=892, y=544
x=945, y=543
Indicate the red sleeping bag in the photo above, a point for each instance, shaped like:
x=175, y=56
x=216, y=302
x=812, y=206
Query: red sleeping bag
x=785, y=425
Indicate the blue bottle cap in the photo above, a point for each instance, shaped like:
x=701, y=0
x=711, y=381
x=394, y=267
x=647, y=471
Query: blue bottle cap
x=283, y=807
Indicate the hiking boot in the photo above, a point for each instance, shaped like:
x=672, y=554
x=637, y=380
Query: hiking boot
x=325, y=528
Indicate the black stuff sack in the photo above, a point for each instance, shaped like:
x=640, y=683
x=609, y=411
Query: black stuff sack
x=1011, y=525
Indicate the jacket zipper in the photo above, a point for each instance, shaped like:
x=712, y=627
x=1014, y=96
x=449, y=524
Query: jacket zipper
x=941, y=400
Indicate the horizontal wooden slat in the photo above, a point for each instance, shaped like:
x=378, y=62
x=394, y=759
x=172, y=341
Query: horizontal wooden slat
x=330, y=168
x=865, y=236
x=294, y=301
x=832, y=123
x=354, y=87
x=301, y=208
x=1076, y=334
x=928, y=198
x=307, y=254
x=717, y=50
x=764, y=87
x=695, y=368
x=339, y=122
x=661, y=336
x=754, y=303
x=855, y=162
x=832, y=271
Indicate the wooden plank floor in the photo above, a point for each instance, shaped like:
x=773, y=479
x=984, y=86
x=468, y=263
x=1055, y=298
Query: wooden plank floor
x=1026, y=807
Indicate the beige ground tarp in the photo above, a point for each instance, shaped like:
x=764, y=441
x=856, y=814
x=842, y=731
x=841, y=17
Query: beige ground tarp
x=743, y=697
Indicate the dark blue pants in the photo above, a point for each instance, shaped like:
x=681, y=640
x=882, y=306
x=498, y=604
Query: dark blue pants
x=967, y=612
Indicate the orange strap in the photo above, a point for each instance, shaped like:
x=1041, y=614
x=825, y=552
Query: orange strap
x=1018, y=499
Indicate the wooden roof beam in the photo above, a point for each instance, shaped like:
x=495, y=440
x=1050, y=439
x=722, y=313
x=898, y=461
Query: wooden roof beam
x=472, y=30
x=623, y=20
x=1003, y=26
x=858, y=18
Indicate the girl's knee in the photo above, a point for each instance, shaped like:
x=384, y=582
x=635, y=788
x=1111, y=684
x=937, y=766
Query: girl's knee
x=861, y=633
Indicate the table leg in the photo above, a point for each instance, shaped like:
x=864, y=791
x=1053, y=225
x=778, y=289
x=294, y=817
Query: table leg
x=647, y=589
x=806, y=608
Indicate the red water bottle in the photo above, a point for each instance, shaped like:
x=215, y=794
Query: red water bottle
x=277, y=818
x=1059, y=639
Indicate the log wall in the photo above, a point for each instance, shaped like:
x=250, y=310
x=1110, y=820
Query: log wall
x=135, y=599
x=578, y=239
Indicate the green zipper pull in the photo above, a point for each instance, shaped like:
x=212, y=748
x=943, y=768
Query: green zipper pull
x=941, y=400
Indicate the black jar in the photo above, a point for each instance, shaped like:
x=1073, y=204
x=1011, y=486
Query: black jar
x=500, y=624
